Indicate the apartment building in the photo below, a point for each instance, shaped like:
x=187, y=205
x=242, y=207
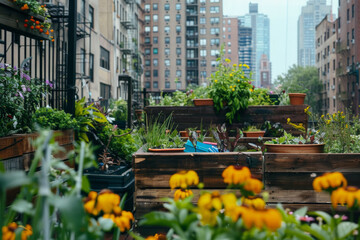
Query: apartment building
x=231, y=38
x=265, y=72
x=246, y=53
x=348, y=53
x=325, y=53
x=181, y=42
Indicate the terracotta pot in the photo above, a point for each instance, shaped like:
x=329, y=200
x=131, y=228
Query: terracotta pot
x=139, y=113
x=166, y=150
x=297, y=98
x=254, y=133
x=184, y=134
x=294, y=148
x=203, y=102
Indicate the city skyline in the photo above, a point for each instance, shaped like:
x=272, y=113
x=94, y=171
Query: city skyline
x=283, y=47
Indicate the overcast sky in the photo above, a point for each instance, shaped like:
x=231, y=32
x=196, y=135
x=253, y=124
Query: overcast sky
x=276, y=11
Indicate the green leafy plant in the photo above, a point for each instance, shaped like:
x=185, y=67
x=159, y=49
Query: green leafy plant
x=53, y=119
x=118, y=110
x=86, y=116
x=20, y=96
x=272, y=130
x=260, y=97
x=230, y=86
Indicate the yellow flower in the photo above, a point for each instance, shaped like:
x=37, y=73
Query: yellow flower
x=209, y=206
x=182, y=194
x=233, y=90
x=322, y=116
x=288, y=120
x=306, y=109
x=124, y=220
x=107, y=201
x=247, y=66
x=235, y=65
x=328, y=122
x=254, y=202
x=346, y=126
x=238, y=80
x=329, y=181
x=236, y=175
x=231, y=75
x=251, y=90
x=184, y=179
x=253, y=185
x=8, y=232
x=240, y=65
x=229, y=200
x=227, y=60
x=348, y=196
x=216, y=81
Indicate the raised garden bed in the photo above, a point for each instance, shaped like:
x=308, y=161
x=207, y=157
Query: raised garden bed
x=190, y=117
x=13, y=19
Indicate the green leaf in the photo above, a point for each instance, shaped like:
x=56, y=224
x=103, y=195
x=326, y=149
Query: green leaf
x=159, y=219
x=344, y=229
x=106, y=224
x=22, y=206
x=323, y=215
x=85, y=184
x=298, y=234
x=301, y=212
x=13, y=179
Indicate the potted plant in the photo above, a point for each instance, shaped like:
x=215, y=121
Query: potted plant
x=230, y=86
x=200, y=96
x=119, y=111
x=253, y=131
x=297, y=98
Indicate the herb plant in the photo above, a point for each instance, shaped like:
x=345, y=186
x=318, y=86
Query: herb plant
x=53, y=119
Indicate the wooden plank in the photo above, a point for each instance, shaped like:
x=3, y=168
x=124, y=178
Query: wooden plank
x=16, y=163
x=297, y=196
x=11, y=146
x=312, y=162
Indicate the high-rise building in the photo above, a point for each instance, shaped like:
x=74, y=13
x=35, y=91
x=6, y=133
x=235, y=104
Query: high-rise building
x=311, y=15
x=265, y=72
x=348, y=54
x=326, y=65
x=246, y=53
x=231, y=38
x=260, y=25
x=182, y=42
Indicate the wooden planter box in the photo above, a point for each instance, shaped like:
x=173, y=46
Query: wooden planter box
x=13, y=19
x=288, y=177
x=153, y=172
x=190, y=117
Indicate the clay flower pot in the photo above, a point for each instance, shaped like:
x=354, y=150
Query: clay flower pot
x=297, y=98
x=294, y=148
x=203, y=102
x=254, y=133
x=184, y=134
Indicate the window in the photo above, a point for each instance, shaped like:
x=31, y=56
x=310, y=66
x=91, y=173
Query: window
x=229, y=51
x=147, y=40
x=202, y=20
x=178, y=85
x=147, y=18
x=167, y=40
x=155, y=73
x=147, y=29
x=167, y=51
x=155, y=84
x=155, y=50
x=203, y=74
x=91, y=67
x=167, y=29
x=147, y=73
x=178, y=39
x=178, y=62
x=203, y=31
x=147, y=51
x=155, y=40
x=105, y=91
x=147, y=84
x=214, y=63
x=214, y=20
x=91, y=16
x=155, y=18
x=82, y=61
x=190, y=53
x=167, y=18
x=353, y=11
x=155, y=6
x=202, y=1
x=178, y=29
x=215, y=31
x=215, y=41
x=147, y=7
x=178, y=17
x=167, y=84
x=155, y=62
x=167, y=7
x=167, y=73
x=203, y=53
x=104, y=58
x=155, y=28
x=147, y=62
x=178, y=6
x=167, y=62
x=348, y=15
x=229, y=29
x=214, y=52
x=214, y=9
x=214, y=1
x=178, y=73
x=202, y=10
x=178, y=51
x=203, y=63
x=203, y=42
x=229, y=44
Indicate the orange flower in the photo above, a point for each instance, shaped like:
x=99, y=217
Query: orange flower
x=253, y=185
x=269, y=218
x=37, y=27
x=32, y=27
x=183, y=179
x=25, y=25
x=347, y=195
x=182, y=194
x=41, y=30
x=37, y=22
x=157, y=237
x=236, y=175
x=24, y=7
x=253, y=202
x=329, y=181
x=26, y=20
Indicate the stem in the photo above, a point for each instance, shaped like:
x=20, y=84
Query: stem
x=2, y=208
x=80, y=170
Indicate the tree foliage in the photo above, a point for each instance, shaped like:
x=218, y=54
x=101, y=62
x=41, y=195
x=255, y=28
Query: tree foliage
x=302, y=80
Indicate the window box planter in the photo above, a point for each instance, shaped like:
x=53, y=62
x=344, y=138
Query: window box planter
x=253, y=133
x=294, y=148
x=203, y=102
x=13, y=19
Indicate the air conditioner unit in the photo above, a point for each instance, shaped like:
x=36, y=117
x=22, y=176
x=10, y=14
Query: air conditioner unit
x=333, y=50
x=353, y=41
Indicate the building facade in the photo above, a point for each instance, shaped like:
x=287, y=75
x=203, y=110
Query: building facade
x=260, y=25
x=181, y=42
x=231, y=38
x=348, y=53
x=265, y=72
x=246, y=53
x=325, y=53
x=311, y=15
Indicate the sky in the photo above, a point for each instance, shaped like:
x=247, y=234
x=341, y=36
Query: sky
x=282, y=57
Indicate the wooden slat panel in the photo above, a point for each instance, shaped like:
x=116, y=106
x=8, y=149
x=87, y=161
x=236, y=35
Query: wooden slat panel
x=297, y=196
x=11, y=147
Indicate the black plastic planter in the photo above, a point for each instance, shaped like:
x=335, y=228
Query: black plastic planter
x=119, y=181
